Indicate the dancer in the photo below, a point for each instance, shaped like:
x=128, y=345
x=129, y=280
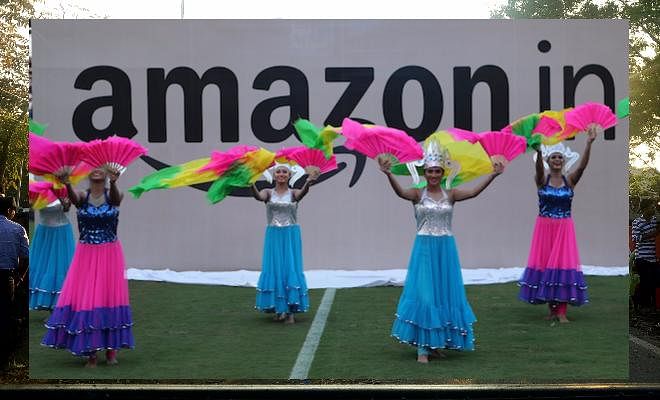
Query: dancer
x=433, y=312
x=282, y=288
x=553, y=274
x=51, y=251
x=93, y=311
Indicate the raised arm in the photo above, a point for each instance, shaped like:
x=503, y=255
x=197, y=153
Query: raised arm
x=115, y=196
x=74, y=197
x=259, y=195
x=411, y=194
x=298, y=194
x=574, y=177
x=539, y=176
x=460, y=194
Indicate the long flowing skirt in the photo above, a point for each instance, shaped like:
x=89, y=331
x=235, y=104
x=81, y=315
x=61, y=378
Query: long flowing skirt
x=553, y=272
x=93, y=311
x=433, y=310
x=51, y=251
x=282, y=286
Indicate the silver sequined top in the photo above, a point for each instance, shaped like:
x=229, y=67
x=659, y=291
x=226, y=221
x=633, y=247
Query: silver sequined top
x=281, y=210
x=53, y=215
x=434, y=217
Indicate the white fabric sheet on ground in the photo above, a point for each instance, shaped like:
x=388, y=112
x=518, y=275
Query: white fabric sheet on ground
x=326, y=278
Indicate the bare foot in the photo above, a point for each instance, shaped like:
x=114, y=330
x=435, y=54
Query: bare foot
x=550, y=317
x=563, y=319
x=424, y=359
x=91, y=362
x=279, y=317
x=290, y=319
x=111, y=357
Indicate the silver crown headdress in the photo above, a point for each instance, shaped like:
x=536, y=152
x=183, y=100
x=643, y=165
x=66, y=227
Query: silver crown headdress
x=296, y=172
x=435, y=155
x=570, y=156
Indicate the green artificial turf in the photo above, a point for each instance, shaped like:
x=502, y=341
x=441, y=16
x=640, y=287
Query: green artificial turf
x=213, y=332
x=514, y=344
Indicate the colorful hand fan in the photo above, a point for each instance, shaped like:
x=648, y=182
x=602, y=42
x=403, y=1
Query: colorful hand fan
x=242, y=173
x=566, y=131
x=623, y=108
x=49, y=158
x=114, y=153
x=373, y=140
x=306, y=157
x=465, y=161
x=534, y=128
x=37, y=128
x=502, y=144
x=222, y=160
x=316, y=138
x=587, y=114
x=462, y=134
x=41, y=194
x=176, y=176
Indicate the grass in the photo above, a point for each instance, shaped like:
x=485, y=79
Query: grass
x=213, y=332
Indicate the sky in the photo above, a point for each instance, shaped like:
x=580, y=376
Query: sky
x=257, y=9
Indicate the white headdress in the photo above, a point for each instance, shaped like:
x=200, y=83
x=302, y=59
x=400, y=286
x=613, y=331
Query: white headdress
x=296, y=172
x=435, y=155
x=570, y=156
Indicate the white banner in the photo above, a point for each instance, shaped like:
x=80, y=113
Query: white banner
x=186, y=88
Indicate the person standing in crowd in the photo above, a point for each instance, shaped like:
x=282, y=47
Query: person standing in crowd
x=644, y=231
x=14, y=255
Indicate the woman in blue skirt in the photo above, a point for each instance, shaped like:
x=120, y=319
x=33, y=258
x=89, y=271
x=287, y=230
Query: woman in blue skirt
x=433, y=311
x=282, y=288
x=51, y=251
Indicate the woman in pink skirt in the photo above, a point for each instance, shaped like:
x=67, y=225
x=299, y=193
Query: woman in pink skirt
x=93, y=311
x=553, y=274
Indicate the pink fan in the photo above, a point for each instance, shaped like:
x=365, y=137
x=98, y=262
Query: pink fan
x=462, y=134
x=503, y=144
x=114, y=153
x=40, y=194
x=222, y=160
x=372, y=140
x=54, y=158
x=547, y=126
x=306, y=157
x=582, y=116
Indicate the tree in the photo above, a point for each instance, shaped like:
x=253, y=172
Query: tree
x=643, y=56
x=14, y=86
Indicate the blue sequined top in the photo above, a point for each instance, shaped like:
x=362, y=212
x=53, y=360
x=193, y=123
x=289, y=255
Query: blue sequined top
x=97, y=224
x=555, y=202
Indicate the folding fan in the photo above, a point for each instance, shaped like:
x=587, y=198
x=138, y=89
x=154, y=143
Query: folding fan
x=222, y=160
x=49, y=158
x=502, y=144
x=373, y=140
x=587, y=114
x=623, y=108
x=306, y=157
x=534, y=128
x=42, y=194
x=566, y=131
x=114, y=153
x=242, y=173
x=176, y=176
x=462, y=134
x=316, y=138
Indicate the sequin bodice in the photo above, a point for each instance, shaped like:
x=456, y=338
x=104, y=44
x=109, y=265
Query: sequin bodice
x=53, y=215
x=97, y=224
x=281, y=210
x=433, y=217
x=555, y=202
